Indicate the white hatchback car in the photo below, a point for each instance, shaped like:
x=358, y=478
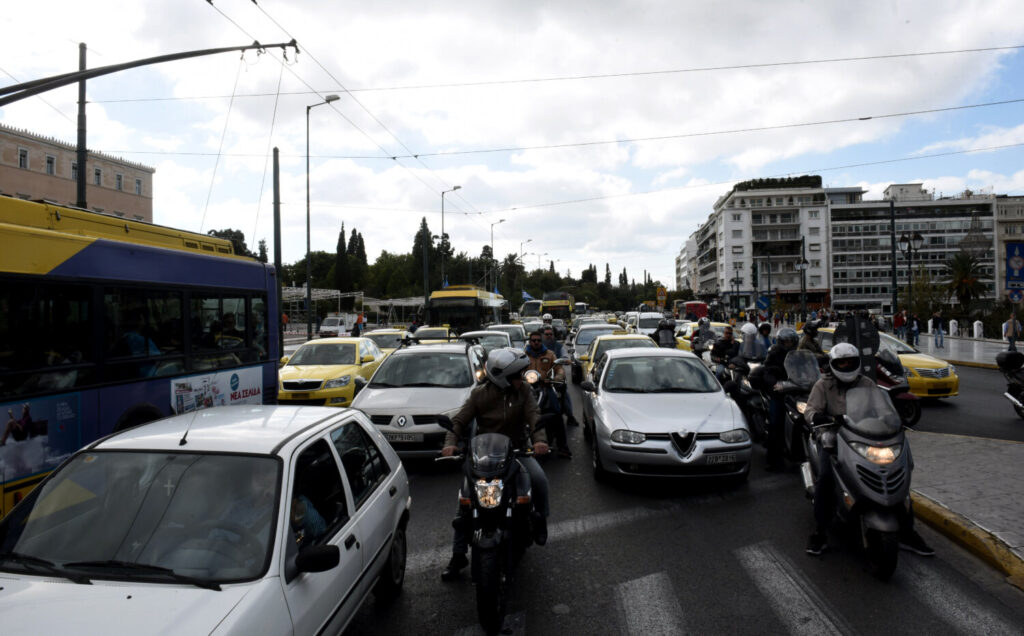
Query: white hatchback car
x=229, y=520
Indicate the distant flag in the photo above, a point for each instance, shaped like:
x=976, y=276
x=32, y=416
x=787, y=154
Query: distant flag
x=527, y=296
x=445, y=283
x=496, y=290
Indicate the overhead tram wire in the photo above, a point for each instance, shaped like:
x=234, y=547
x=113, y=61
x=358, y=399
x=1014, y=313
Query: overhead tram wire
x=607, y=75
x=266, y=160
x=220, y=149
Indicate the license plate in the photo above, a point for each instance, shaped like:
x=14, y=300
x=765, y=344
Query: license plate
x=721, y=458
x=299, y=396
x=404, y=437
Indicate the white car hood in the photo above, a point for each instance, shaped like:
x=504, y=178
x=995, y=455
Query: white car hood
x=410, y=401
x=669, y=412
x=34, y=605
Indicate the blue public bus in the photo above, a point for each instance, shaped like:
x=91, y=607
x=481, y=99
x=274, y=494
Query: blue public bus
x=107, y=323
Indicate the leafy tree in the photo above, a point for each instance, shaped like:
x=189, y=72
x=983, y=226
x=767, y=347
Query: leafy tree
x=607, y=274
x=262, y=251
x=965, y=274
x=589, y=275
x=343, y=270
x=237, y=239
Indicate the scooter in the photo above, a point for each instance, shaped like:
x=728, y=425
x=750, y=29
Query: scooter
x=803, y=370
x=752, y=402
x=870, y=460
x=891, y=377
x=548, y=402
x=1011, y=364
x=496, y=508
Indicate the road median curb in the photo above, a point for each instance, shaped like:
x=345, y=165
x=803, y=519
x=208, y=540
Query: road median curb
x=980, y=542
x=971, y=363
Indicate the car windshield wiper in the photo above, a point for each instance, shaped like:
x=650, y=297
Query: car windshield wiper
x=37, y=563
x=673, y=389
x=627, y=389
x=143, y=568
x=385, y=385
x=419, y=384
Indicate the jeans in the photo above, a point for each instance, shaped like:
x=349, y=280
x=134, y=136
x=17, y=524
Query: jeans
x=539, y=485
x=1013, y=342
x=938, y=337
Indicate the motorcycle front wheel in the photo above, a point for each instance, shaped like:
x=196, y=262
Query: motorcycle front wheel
x=909, y=411
x=1020, y=412
x=882, y=549
x=490, y=592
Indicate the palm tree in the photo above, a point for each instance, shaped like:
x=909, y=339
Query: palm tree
x=964, y=272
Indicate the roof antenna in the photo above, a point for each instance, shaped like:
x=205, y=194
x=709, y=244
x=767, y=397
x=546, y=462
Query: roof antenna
x=183, y=439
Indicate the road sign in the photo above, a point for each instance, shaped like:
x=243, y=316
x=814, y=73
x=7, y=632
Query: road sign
x=762, y=302
x=662, y=295
x=1016, y=295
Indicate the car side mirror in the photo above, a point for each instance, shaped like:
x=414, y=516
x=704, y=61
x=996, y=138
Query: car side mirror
x=284, y=360
x=588, y=386
x=584, y=358
x=360, y=384
x=366, y=358
x=318, y=558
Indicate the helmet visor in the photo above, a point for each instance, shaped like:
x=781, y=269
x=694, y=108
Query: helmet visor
x=845, y=365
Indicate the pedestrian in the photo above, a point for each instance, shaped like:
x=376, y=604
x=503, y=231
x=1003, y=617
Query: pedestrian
x=937, y=328
x=913, y=330
x=1011, y=330
x=898, y=322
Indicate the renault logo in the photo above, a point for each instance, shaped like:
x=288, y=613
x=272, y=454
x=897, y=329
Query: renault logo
x=401, y=420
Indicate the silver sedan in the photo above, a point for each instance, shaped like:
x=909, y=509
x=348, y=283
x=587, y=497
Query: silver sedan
x=660, y=412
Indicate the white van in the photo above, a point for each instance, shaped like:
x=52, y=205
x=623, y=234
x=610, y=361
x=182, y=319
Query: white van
x=647, y=322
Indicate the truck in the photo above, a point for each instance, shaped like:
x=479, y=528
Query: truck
x=337, y=324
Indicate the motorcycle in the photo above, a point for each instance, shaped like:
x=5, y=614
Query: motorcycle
x=872, y=465
x=496, y=508
x=752, y=402
x=549, y=402
x=803, y=370
x=1010, y=365
x=891, y=377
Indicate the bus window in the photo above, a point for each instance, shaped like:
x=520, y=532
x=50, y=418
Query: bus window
x=143, y=324
x=257, y=326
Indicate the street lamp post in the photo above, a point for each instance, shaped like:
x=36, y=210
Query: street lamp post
x=309, y=264
x=444, y=237
x=909, y=245
x=428, y=240
x=737, y=281
x=494, y=260
x=521, y=281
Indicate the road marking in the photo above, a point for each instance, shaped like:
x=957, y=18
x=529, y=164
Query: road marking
x=793, y=599
x=649, y=606
x=435, y=558
x=957, y=609
x=514, y=624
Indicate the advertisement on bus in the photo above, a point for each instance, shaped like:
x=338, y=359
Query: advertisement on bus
x=237, y=386
x=38, y=434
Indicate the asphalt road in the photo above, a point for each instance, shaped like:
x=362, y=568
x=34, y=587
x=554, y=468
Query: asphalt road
x=980, y=410
x=656, y=557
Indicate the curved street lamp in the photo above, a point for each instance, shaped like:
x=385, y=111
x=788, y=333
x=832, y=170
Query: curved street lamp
x=444, y=237
x=908, y=245
x=309, y=264
x=494, y=273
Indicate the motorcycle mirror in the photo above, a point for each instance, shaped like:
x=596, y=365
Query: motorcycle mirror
x=588, y=386
x=445, y=422
x=562, y=361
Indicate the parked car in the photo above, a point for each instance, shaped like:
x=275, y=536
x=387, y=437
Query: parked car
x=661, y=412
x=321, y=372
x=928, y=376
x=229, y=520
x=416, y=384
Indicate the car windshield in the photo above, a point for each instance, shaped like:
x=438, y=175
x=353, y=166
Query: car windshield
x=331, y=322
x=324, y=353
x=649, y=323
x=621, y=343
x=147, y=515
x=888, y=342
x=658, y=374
x=586, y=336
x=386, y=340
x=436, y=369
x=492, y=341
x=435, y=333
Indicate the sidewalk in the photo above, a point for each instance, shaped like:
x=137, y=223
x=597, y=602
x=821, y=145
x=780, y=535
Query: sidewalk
x=964, y=351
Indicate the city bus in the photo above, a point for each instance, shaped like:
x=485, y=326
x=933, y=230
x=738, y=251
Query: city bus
x=682, y=308
x=107, y=323
x=464, y=308
x=559, y=304
x=530, y=309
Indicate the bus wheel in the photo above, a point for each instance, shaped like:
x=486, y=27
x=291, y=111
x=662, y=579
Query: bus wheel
x=138, y=414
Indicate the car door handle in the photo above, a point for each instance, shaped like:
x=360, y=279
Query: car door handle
x=350, y=541
x=392, y=490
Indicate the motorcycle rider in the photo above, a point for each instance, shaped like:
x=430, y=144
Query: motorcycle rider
x=775, y=372
x=665, y=334
x=764, y=335
x=542, y=360
x=827, y=403
x=809, y=342
x=548, y=337
x=503, y=404
x=725, y=349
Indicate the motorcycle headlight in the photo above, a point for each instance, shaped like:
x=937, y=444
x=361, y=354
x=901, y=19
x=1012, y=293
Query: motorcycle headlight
x=488, y=493
x=881, y=455
x=337, y=383
x=532, y=376
x=623, y=436
x=801, y=407
x=735, y=436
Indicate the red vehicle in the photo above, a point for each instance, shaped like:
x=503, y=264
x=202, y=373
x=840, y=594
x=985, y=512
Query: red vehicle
x=682, y=308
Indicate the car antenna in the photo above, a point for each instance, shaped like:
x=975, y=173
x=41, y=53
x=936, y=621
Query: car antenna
x=183, y=439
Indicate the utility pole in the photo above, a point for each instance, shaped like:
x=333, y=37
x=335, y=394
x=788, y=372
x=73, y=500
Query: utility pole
x=80, y=149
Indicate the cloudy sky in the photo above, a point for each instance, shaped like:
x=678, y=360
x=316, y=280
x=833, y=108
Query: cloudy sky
x=601, y=131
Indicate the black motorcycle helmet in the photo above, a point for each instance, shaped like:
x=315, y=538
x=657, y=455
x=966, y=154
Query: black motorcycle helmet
x=787, y=337
x=765, y=329
x=811, y=328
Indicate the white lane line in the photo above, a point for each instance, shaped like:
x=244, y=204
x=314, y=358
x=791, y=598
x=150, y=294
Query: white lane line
x=514, y=624
x=435, y=558
x=792, y=598
x=649, y=607
x=934, y=590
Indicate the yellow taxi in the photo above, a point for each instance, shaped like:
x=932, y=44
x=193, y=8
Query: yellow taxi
x=618, y=340
x=387, y=340
x=687, y=331
x=433, y=335
x=322, y=372
x=928, y=376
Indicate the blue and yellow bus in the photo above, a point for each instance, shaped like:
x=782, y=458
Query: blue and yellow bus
x=559, y=304
x=464, y=308
x=107, y=323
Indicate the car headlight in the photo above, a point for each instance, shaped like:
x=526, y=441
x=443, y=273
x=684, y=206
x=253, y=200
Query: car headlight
x=881, y=455
x=801, y=407
x=623, y=436
x=735, y=436
x=488, y=493
x=337, y=383
x=952, y=370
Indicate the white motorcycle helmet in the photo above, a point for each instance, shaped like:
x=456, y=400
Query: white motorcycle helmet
x=547, y=318
x=844, y=361
x=505, y=363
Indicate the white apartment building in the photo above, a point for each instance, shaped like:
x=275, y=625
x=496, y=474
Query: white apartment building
x=686, y=264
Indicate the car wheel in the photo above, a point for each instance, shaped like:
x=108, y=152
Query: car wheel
x=389, y=585
x=600, y=474
x=587, y=435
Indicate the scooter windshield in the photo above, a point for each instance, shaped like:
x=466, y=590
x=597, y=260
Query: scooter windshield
x=802, y=368
x=869, y=412
x=490, y=452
